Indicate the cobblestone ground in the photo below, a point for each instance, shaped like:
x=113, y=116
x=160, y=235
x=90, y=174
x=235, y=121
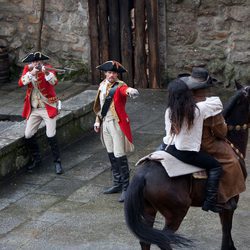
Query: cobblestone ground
x=40, y=210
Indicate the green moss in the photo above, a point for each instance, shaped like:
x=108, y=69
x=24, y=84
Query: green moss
x=164, y=79
x=216, y=66
x=15, y=72
x=229, y=74
x=80, y=71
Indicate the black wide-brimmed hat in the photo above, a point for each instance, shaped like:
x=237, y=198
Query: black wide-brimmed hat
x=35, y=56
x=199, y=79
x=112, y=66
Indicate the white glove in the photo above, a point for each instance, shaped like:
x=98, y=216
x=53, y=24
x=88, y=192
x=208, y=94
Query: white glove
x=97, y=127
x=132, y=92
x=34, y=71
x=43, y=68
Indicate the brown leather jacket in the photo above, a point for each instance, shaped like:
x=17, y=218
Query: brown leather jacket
x=232, y=181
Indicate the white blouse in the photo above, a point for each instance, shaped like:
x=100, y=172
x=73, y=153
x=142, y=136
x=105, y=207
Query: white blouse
x=190, y=139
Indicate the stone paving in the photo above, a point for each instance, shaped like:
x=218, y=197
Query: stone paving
x=40, y=210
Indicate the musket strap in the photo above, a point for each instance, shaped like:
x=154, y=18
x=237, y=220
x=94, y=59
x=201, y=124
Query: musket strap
x=108, y=100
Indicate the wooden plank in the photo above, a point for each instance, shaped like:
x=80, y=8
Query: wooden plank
x=40, y=28
x=94, y=42
x=103, y=31
x=153, y=43
x=140, y=65
x=162, y=17
x=126, y=41
x=114, y=30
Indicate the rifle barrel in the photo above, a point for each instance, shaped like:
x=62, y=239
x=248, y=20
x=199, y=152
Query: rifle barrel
x=55, y=69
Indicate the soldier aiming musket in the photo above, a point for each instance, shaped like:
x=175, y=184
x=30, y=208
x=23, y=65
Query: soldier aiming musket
x=41, y=104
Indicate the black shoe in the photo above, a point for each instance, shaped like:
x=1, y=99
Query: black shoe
x=34, y=164
x=113, y=190
x=58, y=168
x=212, y=207
x=122, y=197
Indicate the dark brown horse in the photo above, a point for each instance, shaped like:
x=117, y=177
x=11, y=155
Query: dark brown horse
x=152, y=190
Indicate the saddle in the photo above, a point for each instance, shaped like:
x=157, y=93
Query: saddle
x=170, y=164
x=175, y=167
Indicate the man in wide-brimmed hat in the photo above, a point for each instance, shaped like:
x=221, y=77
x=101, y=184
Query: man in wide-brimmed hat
x=213, y=142
x=199, y=79
x=41, y=104
x=113, y=122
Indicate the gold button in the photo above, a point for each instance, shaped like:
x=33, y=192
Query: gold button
x=237, y=127
x=244, y=126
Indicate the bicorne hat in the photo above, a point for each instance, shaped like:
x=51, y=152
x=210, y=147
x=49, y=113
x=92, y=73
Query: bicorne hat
x=199, y=79
x=112, y=66
x=35, y=56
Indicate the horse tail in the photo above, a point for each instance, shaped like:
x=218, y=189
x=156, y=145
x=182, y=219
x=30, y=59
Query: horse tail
x=134, y=211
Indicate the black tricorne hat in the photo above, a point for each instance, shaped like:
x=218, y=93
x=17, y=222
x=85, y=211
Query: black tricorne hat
x=199, y=79
x=35, y=56
x=112, y=66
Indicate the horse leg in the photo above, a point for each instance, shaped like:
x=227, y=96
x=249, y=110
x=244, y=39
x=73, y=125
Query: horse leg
x=226, y=218
x=174, y=220
x=149, y=216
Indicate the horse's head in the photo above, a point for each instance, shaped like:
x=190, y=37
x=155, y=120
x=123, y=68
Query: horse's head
x=245, y=100
x=237, y=109
x=245, y=90
x=237, y=116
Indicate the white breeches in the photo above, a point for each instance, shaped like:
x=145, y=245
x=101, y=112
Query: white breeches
x=113, y=138
x=36, y=117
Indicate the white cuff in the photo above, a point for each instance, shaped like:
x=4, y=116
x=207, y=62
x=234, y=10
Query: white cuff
x=27, y=78
x=49, y=76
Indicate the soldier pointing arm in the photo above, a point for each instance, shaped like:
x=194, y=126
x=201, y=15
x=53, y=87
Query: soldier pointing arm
x=114, y=124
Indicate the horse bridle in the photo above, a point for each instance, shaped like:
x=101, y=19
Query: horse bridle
x=245, y=126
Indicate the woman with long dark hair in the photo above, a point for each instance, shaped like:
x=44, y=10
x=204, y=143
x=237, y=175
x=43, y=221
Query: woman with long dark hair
x=184, y=123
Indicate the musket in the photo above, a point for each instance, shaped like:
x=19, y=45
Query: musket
x=62, y=71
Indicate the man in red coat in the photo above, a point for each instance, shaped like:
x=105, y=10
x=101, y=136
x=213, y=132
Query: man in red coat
x=113, y=122
x=40, y=105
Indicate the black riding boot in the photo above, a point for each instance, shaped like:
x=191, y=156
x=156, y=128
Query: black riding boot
x=117, y=184
x=123, y=162
x=56, y=154
x=34, y=151
x=212, y=185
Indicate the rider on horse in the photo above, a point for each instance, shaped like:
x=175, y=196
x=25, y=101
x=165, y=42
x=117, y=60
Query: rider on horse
x=214, y=142
x=184, y=119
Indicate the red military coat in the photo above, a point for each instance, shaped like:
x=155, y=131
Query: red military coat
x=119, y=99
x=45, y=88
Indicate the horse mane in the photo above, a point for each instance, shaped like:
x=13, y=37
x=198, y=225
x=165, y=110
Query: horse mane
x=231, y=104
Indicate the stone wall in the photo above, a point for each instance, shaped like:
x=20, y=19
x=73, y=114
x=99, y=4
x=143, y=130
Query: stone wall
x=64, y=35
x=215, y=33
x=211, y=32
x=75, y=120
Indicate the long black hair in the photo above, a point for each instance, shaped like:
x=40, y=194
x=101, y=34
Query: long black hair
x=181, y=104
